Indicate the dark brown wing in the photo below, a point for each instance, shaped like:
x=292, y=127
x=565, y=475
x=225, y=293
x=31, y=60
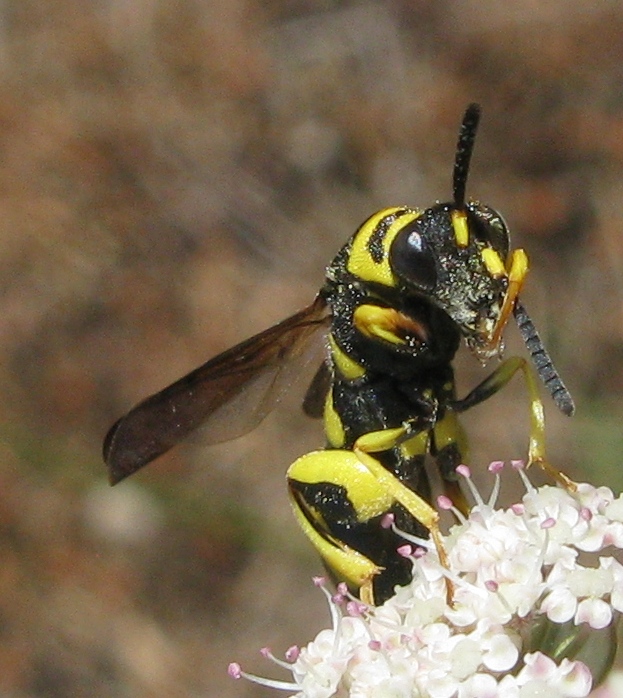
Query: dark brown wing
x=164, y=419
x=316, y=395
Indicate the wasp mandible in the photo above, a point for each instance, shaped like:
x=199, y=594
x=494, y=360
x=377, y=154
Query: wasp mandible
x=398, y=298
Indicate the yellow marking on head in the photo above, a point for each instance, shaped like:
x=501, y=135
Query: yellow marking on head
x=360, y=261
x=493, y=262
x=518, y=266
x=346, y=366
x=333, y=427
x=461, y=230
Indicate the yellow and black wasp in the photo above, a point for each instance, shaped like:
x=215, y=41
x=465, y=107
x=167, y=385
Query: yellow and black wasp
x=397, y=300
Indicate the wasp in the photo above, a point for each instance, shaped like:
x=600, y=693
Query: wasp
x=403, y=292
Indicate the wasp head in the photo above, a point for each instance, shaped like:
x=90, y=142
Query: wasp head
x=457, y=255
x=457, y=258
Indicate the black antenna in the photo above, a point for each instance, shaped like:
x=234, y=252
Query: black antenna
x=543, y=362
x=464, y=148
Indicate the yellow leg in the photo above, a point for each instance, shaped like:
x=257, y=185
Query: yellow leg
x=377, y=441
x=497, y=380
x=450, y=449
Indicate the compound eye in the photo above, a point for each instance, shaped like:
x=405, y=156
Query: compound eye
x=493, y=228
x=413, y=260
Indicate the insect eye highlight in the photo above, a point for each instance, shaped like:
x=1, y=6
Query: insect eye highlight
x=413, y=260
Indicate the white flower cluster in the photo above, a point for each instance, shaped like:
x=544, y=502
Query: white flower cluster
x=516, y=574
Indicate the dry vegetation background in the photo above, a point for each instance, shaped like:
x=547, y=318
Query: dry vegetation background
x=174, y=175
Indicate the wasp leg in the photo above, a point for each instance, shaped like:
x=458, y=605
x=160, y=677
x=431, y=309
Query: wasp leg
x=497, y=380
x=378, y=441
x=340, y=505
x=449, y=447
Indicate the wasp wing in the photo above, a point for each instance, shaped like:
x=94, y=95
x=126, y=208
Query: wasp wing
x=163, y=420
x=316, y=395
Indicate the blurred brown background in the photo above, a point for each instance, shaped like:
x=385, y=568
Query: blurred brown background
x=174, y=177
